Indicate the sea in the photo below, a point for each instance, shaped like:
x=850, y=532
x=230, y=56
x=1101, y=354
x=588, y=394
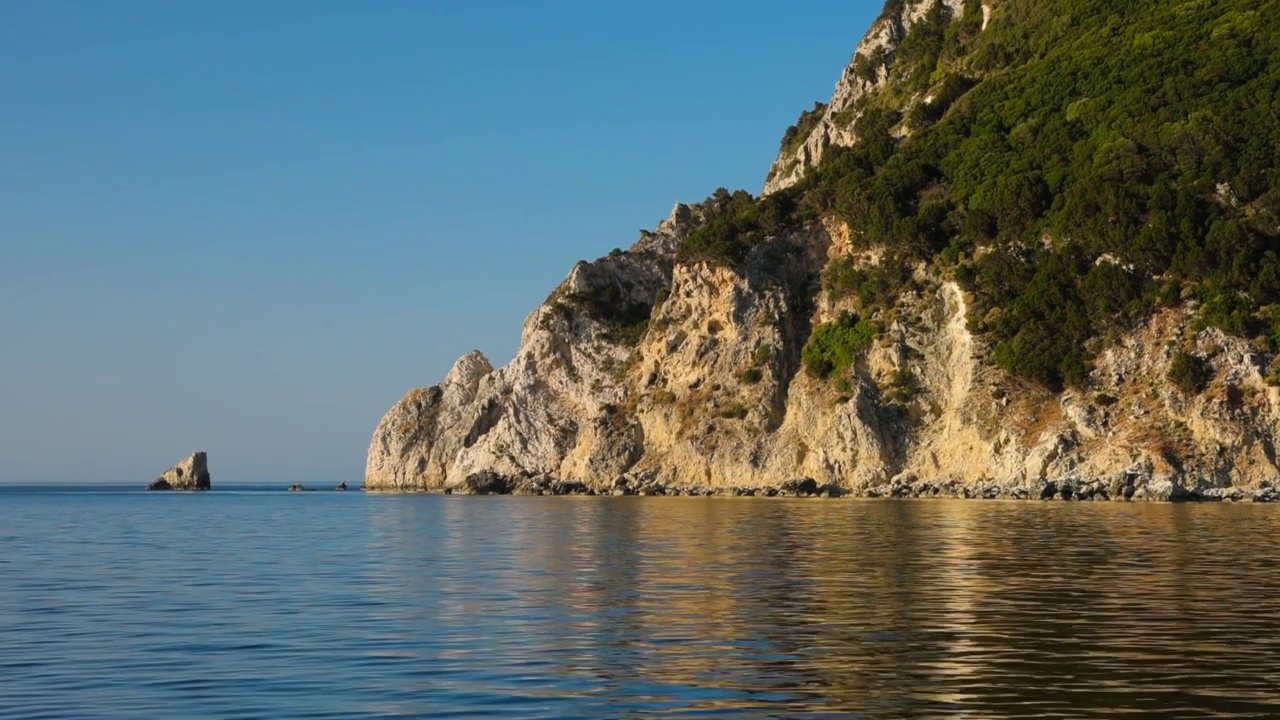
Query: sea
x=254, y=602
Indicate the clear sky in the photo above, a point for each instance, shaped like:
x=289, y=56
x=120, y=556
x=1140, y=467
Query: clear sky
x=249, y=227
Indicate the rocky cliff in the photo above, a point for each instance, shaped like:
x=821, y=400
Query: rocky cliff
x=709, y=396
x=814, y=355
x=190, y=474
x=867, y=74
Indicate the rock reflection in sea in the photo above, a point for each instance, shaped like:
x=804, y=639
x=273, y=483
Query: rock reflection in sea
x=887, y=608
x=327, y=604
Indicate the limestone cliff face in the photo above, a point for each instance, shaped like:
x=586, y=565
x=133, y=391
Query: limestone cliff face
x=557, y=407
x=190, y=474
x=709, y=395
x=866, y=74
x=651, y=371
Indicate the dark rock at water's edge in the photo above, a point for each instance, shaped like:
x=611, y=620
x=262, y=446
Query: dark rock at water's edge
x=487, y=483
x=190, y=474
x=1130, y=486
x=799, y=487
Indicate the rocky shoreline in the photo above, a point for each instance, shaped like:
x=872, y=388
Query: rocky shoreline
x=1129, y=487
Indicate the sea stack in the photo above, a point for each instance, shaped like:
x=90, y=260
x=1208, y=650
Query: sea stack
x=190, y=474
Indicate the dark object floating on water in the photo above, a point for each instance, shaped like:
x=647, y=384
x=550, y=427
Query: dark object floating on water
x=297, y=487
x=342, y=485
x=190, y=474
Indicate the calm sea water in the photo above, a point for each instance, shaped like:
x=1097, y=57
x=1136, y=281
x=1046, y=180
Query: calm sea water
x=342, y=605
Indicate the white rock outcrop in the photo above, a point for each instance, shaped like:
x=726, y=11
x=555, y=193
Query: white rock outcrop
x=190, y=474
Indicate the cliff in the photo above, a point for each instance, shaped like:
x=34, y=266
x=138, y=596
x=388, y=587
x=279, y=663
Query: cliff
x=868, y=73
x=918, y=306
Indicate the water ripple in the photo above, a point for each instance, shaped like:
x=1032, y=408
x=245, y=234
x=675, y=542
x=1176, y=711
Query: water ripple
x=329, y=605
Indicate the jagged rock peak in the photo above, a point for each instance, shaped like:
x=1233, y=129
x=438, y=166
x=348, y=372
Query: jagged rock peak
x=665, y=240
x=867, y=72
x=465, y=375
x=190, y=474
x=681, y=214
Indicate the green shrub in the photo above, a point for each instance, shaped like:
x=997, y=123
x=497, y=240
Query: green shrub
x=762, y=354
x=625, y=321
x=951, y=89
x=875, y=287
x=833, y=347
x=798, y=133
x=866, y=66
x=1273, y=375
x=1190, y=373
x=903, y=386
x=840, y=278
x=734, y=223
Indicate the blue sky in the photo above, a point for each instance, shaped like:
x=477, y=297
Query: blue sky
x=250, y=227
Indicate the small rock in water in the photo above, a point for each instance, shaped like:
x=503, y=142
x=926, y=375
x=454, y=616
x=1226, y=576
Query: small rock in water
x=190, y=474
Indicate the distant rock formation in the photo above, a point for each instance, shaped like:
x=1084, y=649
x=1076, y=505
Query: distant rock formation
x=190, y=474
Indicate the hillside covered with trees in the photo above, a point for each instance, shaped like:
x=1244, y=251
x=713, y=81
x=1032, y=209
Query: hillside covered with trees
x=1074, y=165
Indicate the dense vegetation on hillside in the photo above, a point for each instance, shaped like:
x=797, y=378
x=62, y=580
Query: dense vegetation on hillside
x=1080, y=163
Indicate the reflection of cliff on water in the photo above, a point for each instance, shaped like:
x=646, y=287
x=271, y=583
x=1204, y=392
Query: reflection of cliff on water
x=887, y=608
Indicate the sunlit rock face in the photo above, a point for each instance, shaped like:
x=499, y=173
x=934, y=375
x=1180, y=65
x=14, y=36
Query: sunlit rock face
x=706, y=393
x=190, y=474
x=657, y=370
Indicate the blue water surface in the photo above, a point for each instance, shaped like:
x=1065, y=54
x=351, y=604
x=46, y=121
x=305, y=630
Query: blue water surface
x=252, y=602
